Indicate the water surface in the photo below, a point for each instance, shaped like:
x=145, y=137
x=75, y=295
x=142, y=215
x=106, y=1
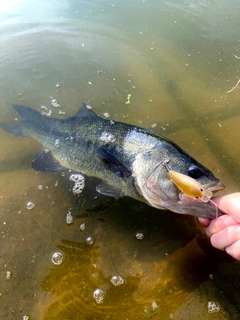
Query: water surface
x=176, y=59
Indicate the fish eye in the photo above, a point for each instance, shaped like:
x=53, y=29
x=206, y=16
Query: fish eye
x=195, y=172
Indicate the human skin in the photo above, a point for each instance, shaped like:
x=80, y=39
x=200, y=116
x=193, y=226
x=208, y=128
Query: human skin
x=224, y=231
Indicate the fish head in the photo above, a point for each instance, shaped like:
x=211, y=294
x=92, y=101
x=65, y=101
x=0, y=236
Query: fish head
x=150, y=172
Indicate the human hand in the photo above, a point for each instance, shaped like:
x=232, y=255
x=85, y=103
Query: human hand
x=224, y=231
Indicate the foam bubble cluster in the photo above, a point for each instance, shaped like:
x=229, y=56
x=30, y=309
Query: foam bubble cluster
x=106, y=115
x=139, y=235
x=46, y=112
x=79, y=183
x=107, y=137
x=213, y=307
x=55, y=104
x=69, y=218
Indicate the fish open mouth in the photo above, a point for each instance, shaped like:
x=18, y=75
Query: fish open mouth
x=214, y=186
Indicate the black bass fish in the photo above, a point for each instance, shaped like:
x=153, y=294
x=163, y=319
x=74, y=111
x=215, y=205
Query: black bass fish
x=128, y=159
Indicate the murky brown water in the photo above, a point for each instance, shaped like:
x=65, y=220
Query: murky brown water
x=176, y=60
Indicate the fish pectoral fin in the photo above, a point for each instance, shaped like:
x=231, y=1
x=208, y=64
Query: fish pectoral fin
x=108, y=190
x=112, y=163
x=45, y=162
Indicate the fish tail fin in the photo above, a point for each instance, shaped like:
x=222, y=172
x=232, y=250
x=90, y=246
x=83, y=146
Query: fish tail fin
x=15, y=129
x=28, y=114
x=31, y=119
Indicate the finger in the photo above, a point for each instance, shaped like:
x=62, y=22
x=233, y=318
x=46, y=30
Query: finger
x=229, y=204
x=220, y=224
x=204, y=222
x=234, y=250
x=226, y=237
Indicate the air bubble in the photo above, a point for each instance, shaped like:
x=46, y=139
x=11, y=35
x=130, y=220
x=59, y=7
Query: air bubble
x=69, y=218
x=213, y=307
x=57, y=258
x=90, y=241
x=145, y=310
x=30, y=205
x=117, y=280
x=8, y=275
x=98, y=295
x=95, y=275
x=82, y=226
x=57, y=143
x=139, y=235
x=154, y=305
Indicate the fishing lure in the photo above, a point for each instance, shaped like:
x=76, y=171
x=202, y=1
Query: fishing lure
x=190, y=186
x=194, y=189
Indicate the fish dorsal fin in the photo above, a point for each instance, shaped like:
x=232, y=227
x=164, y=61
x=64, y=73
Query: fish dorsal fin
x=84, y=113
